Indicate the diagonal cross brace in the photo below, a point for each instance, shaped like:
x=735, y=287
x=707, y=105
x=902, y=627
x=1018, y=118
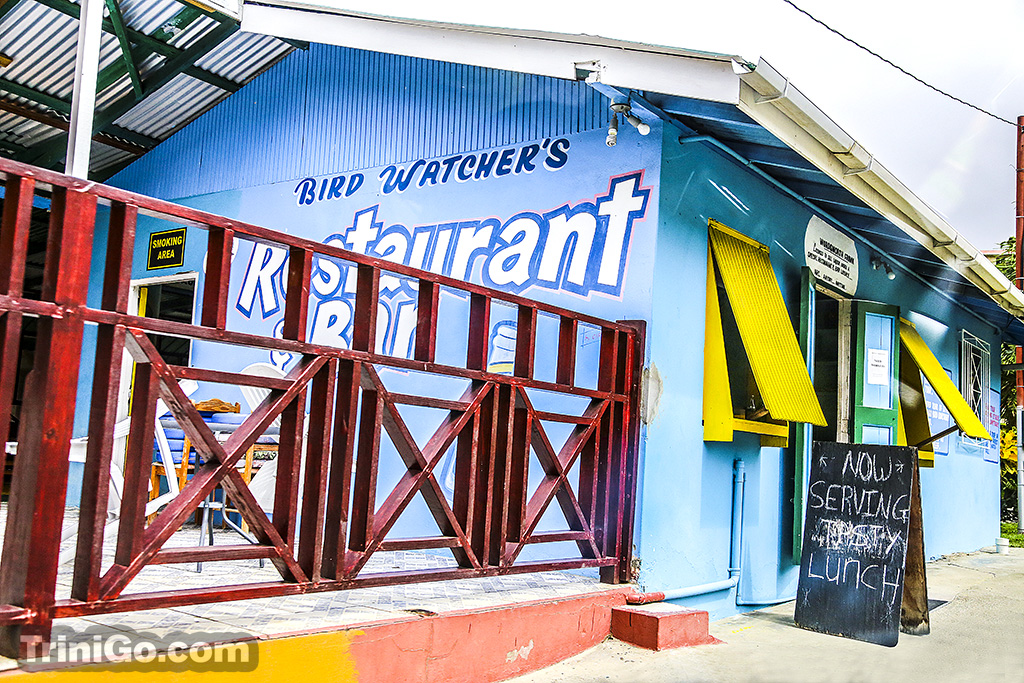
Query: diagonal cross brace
x=420, y=466
x=418, y=462
x=555, y=482
x=220, y=462
x=126, y=49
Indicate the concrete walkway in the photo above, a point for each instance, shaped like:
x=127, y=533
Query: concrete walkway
x=978, y=635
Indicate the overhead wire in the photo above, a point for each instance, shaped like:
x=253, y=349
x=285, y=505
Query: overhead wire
x=896, y=66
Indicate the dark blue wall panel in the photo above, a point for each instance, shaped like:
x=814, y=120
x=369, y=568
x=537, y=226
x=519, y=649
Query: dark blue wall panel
x=331, y=109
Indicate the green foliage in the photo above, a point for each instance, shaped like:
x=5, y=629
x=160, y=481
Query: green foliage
x=1009, y=530
x=1008, y=490
x=1006, y=262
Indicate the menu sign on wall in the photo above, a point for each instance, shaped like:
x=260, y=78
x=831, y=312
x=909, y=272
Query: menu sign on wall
x=831, y=256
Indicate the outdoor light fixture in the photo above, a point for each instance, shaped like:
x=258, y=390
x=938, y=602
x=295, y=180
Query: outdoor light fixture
x=877, y=263
x=640, y=126
x=631, y=118
x=613, y=131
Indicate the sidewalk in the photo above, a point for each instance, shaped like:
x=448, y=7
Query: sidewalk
x=978, y=635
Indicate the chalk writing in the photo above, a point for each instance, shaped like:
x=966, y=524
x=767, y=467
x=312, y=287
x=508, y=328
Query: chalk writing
x=855, y=541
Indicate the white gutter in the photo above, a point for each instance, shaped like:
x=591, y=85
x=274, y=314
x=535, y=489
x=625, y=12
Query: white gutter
x=769, y=99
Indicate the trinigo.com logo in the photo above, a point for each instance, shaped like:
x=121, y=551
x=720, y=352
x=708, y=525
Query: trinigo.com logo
x=142, y=651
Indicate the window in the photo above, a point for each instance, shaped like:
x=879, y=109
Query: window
x=975, y=376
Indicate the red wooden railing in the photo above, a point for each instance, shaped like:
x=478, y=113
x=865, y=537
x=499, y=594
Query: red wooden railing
x=323, y=541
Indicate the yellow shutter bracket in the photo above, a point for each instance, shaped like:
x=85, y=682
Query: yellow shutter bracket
x=912, y=424
x=717, y=408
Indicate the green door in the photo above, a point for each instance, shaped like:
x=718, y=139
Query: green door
x=875, y=373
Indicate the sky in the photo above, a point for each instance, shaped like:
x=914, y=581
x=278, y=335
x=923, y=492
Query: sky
x=959, y=161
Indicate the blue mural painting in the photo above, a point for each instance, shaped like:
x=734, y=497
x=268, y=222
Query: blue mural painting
x=568, y=221
x=559, y=220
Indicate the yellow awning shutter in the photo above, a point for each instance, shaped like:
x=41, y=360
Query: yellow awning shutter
x=769, y=342
x=928, y=364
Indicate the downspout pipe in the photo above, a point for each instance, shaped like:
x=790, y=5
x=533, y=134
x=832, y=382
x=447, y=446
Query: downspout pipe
x=738, y=483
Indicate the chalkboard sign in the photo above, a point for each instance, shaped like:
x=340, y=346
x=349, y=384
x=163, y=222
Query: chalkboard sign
x=855, y=541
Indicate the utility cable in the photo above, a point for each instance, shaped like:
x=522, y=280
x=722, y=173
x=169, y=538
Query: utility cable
x=896, y=66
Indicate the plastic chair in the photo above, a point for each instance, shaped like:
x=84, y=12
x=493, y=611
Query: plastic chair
x=165, y=457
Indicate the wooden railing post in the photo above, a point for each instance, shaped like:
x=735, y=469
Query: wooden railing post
x=28, y=569
x=565, y=372
x=311, y=535
x=103, y=409
x=343, y=450
x=633, y=382
x=364, y=494
x=364, y=327
x=289, y=456
x=14, y=230
x=218, y=277
x=426, y=321
x=526, y=338
x=479, y=329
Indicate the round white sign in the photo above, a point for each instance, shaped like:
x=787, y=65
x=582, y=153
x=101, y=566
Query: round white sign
x=831, y=256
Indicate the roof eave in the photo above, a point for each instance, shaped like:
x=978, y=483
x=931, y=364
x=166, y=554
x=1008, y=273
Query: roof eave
x=769, y=99
x=759, y=91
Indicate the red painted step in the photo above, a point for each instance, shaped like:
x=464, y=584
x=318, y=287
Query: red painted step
x=661, y=626
x=490, y=644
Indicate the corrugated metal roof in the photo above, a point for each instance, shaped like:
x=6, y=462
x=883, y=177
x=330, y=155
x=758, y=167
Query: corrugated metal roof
x=234, y=57
x=182, y=99
x=40, y=36
x=148, y=15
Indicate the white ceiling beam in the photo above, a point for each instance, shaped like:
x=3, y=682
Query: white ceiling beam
x=615, y=63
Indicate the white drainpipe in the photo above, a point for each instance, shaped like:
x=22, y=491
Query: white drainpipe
x=738, y=482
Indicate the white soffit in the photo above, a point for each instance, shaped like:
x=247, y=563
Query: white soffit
x=623, y=64
x=769, y=99
x=232, y=8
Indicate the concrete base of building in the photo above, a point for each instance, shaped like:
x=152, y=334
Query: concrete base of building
x=661, y=626
x=463, y=646
x=483, y=645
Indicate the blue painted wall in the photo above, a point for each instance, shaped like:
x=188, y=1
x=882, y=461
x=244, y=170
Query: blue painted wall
x=331, y=112
x=328, y=110
x=485, y=150
x=685, y=509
